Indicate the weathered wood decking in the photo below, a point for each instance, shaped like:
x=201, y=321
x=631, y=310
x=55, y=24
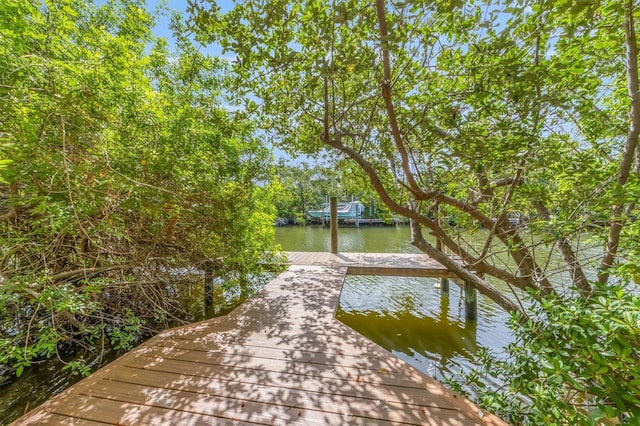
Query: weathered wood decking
x=396, y=264
x=280, y=358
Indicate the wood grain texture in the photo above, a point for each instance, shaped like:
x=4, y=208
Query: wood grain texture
x=387, y=264
x=281, y=358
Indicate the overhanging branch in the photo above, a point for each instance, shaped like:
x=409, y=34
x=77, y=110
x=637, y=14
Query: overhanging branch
x=482, y=286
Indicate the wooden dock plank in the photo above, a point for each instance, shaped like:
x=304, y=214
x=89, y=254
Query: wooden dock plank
x=247, y=388
x=374, y=361
x=264, y=356
x=250, y=366
x=389, y=264
x=122, y=412
x=268, y=406
x=59, y=420
x=245, y=411
x=280, y=358
x=263, y=351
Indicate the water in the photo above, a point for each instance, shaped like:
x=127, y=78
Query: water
x=384, y=239
x=406, y=315
x=47, y=378
x=410, y=318
x=37, y=384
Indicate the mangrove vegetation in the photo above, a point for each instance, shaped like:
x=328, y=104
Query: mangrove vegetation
x=470, y=112
x=132, y=166
x=124, y=179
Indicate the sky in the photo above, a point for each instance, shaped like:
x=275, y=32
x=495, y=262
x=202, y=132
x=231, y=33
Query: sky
x=162, y=30
x=162, y=27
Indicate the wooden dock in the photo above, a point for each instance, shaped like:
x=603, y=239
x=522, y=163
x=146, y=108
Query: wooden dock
x=280, y=358
x=394, y=264
x=391, y=264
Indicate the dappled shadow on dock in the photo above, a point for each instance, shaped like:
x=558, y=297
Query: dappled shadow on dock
x=281, y=358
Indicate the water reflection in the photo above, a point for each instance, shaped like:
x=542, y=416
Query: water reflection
x=411, y=335
x=365, y=239
x=231, y=292
x=409, y=317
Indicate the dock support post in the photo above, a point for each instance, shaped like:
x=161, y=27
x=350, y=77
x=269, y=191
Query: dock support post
x=444, y=282
x=444, y=286
x=208, y=286
x=470, y=302
x=334, y=224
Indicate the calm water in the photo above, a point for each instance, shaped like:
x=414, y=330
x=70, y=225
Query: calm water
x=406, y=316
x=383, y=239
x=49, y=378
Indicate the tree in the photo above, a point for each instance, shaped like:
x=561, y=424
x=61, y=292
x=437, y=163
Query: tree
x=127, y=173
x=470, y=110
x=305, y=187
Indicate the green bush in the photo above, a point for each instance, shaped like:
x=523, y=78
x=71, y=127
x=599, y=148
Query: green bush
x=573, y=361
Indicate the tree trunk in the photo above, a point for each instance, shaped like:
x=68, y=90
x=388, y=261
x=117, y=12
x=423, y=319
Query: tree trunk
x=633, y=86
x=482, y=286
x=564, y=245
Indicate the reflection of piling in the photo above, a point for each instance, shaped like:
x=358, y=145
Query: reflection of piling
x=334, y=224
x=444, y=309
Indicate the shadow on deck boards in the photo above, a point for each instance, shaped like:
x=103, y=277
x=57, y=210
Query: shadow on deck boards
x=280, y=358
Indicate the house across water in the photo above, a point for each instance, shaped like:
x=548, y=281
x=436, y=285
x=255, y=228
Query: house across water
x=351, y=210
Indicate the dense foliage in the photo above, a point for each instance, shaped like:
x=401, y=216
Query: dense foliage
x=476, y=112
x=574, y=361
x=126, y=178
x=304, y=187
x=301, y=187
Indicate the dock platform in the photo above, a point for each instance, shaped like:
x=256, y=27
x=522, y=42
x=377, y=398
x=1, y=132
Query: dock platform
x=393, y=264
x=281, y=358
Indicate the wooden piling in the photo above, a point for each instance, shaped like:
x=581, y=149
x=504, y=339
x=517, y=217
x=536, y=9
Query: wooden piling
x=470, y=302
x=444, y=282
x=444, y=286
x=210, y=270
x=208, y=287
x=334, y=224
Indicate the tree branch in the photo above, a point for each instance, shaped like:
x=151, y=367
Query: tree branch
x=456, y=267
x=564, y=245
x=482, y=286
x=85, y=273
x=386, y=95
x=633, y=86
x=507, y=234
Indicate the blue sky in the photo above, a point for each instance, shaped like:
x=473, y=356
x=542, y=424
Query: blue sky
x=177, y=5
x=162, y=25
x=162, y=30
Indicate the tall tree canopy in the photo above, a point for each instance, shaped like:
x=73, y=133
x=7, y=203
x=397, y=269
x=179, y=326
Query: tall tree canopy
x=305, y=187
x=125, y=173
x=471, y=110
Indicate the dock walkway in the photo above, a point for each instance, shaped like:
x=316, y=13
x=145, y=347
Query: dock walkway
x=280, y=358
x=395, y=264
